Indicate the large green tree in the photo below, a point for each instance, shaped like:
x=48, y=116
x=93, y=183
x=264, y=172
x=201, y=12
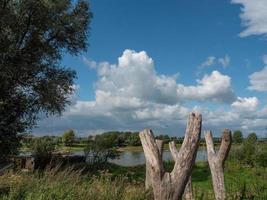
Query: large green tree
x=34, y=35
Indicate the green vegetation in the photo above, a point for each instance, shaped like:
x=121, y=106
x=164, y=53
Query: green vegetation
x=34, y=35
x=117, y=182
x=68, y=137
x=68, y=185
x=245, y=171
x=250, y=152
x=98, y=151
x=42, y=149
x=237, y=137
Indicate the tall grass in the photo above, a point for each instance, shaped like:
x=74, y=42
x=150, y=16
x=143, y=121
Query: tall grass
x=126, y=183
x=53, y=184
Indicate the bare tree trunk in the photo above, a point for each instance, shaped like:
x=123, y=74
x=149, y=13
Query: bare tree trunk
x=165, y=185
x=216, y=162
x=188, y=192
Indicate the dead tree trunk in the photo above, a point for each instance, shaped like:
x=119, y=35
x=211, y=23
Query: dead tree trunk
x=216, y=162
x=165, y=185
x=188, y=192
x=148, y=184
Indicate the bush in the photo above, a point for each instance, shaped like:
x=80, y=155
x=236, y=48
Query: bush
x=250, y=152
x=42, y=149
x=68, y=137
x=99, y=151
x=237, y=137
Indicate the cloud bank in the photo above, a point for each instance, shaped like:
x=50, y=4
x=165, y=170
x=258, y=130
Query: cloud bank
x=131, y=95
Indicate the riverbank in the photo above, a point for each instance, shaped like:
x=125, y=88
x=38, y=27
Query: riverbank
x=126, y=183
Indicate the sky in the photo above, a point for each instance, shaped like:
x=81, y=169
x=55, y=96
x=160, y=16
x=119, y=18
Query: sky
x=150, y=63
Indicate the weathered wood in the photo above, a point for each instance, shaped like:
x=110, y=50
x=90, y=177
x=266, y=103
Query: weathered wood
x=188, y=192
x=165, y=185
x=148, y=183
x=216, y=161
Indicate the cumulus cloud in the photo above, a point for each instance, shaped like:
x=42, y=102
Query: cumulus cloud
x=245, y=105
x=215, y=87
x=253, y=16
x=135, y=76
x=258, y=80
x=131, y=95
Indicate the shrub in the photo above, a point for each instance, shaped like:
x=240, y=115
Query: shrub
x=99, y=151
x=42, y=149
x=68, y=137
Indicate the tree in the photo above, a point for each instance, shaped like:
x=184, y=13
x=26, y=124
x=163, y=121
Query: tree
x=68, y=137
x=99, y=151
x=133, y=139
x=252, y=138
x=249, y=149
x=237, y=137
x=42, y=149
x=33, y=37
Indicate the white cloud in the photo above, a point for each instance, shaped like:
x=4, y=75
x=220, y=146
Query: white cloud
x=215, y=87
x=131, y=95
x=258, y=80
x=253, y=16
x=135, y=77
x=246, y=105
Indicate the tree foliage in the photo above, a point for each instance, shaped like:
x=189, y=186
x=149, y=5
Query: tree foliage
x=99, y=151
x=33, y=37
x=251, y=152
x=42, y=149
x=237, y=136
x=68, y=137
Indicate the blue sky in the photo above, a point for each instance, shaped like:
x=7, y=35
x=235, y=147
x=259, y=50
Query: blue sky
x=176, y=56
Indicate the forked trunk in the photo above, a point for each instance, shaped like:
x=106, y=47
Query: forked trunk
x=216, y=162
x=165, y=185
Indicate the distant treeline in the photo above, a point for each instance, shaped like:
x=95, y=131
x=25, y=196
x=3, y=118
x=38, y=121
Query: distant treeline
x=124, y=138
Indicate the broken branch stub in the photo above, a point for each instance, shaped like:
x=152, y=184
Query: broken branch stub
x=165, y=185
x=216, y=161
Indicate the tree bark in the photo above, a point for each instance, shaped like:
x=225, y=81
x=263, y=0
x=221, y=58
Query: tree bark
x=188, y=192
x=148, y=183
x=165, y=185
x=216, y=161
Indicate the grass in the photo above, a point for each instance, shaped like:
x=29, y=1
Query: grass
x=53, y=184
x=117, y=182
x=251, y=182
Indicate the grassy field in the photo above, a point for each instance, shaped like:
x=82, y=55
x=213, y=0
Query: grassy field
x=116, y=182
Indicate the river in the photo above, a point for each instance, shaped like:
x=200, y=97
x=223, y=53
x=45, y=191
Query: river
x=129, y=158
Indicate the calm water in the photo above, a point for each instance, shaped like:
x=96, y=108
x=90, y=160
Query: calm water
x=136, y=158
x=128, y=158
